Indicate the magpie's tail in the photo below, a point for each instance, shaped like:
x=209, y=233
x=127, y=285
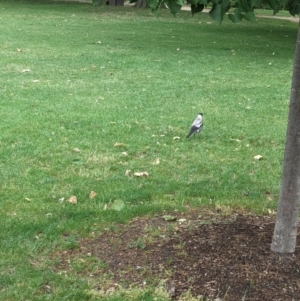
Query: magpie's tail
x=189, y=134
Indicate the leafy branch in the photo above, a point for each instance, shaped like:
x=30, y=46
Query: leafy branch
x=244, y=9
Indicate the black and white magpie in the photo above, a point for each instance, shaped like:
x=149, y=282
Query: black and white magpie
x=197, y=126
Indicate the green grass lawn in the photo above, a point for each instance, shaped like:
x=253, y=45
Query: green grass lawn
x=77, y=79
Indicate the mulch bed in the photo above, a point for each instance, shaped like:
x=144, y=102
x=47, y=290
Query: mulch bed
x=225, y=257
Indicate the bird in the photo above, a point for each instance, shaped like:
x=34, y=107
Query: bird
x=197, y=126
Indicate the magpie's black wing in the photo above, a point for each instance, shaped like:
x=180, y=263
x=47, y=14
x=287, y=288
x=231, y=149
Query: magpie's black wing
x=194, y=129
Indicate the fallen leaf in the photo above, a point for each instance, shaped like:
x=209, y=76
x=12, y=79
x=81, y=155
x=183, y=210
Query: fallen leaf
x=170, y=287
x=258, y=157
x=93, y=194
x=72, y=199
x=156, y=161
x=127, y=172
x=176, y=138
x=99, y=98
x=141, y=174
x=182, y=220
x=124, y=153
x=35, y=80
x=118, y=144
x=19, y=49
x=169, y=218
x=26, y=70
x=271, y=212
x=76, y=150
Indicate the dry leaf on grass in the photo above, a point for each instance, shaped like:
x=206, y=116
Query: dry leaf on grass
x=72, y=199
x=26, y=70
x=118, y=144
x=258, y=157
x=169, y=218
x=100, y=98
x=93, y=194
x=156, y=161
x=176, y=138
x=76, y=150
x=141, y=174
x=127, y=172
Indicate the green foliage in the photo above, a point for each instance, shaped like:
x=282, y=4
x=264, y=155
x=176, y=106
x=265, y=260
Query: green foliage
x=154, y=4
x=255, y=3
x=275, y=5
x=197, y=8
x=250, y=16
x=293, y=6
x=174, y=6
x=245, y=8
x=219, y=8
x=236, y=16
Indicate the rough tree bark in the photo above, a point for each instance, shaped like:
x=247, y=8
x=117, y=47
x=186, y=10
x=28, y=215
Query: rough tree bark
x=285, y=232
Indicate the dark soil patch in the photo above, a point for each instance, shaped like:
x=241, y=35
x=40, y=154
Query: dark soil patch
x=216, y=256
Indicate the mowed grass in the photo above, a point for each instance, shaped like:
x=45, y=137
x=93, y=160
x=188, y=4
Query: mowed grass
x=77, y=79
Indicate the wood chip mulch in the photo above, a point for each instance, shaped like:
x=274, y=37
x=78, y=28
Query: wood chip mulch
x=207, y=254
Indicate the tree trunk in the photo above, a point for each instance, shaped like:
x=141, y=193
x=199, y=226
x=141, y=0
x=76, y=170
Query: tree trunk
x=141, y=4
x=144, y=4
x=285, y=232
x=111, y=2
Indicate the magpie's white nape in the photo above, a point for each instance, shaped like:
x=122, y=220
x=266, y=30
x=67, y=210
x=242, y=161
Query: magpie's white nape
x=197, y=125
